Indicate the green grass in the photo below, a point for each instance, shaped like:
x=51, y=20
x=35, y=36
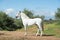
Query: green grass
x=52, y=29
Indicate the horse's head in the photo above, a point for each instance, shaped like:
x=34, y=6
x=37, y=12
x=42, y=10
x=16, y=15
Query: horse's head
x=21, y=15
x=18, y=14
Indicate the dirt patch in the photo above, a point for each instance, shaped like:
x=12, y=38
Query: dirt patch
x=17, y=35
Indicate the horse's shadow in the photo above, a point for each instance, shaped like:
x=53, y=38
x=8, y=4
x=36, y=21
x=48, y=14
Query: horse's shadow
x=43, y=35
x=48, y=35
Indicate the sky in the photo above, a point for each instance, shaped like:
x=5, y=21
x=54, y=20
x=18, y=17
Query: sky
x=38, y=7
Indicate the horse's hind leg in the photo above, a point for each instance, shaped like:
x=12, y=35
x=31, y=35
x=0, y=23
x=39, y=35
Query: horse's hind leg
x=40, y=28
x=37, y=32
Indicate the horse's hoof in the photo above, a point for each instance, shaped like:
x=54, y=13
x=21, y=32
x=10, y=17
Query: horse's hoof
x=37, y=35
x=41, y=35
x=25, y=34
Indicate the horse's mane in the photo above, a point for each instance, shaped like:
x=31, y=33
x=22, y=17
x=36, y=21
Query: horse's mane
x=23, y=14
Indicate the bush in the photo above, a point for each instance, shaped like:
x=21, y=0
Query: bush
x=8, y=23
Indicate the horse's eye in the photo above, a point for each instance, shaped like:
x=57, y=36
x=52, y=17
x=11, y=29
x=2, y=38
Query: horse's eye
x=16, y=16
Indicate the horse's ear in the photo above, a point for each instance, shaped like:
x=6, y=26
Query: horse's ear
x=19, y=11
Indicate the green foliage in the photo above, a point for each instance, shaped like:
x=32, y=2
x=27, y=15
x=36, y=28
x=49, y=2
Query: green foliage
x=19, y=23
x=37, y=16
x=57, y=15
x=52, y=29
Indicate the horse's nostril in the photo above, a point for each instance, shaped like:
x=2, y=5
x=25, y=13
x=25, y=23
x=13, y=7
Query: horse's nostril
x=16, y=16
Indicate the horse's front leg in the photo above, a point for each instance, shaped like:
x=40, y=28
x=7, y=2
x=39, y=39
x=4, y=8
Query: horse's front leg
x=25, y=30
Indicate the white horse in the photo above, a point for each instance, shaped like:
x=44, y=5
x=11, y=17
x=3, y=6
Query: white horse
x=28, y=21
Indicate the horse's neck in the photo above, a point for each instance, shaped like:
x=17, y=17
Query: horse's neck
x=23, y=16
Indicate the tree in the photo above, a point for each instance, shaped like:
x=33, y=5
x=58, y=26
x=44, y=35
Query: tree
x=57, y=14
x=28, y=13
x=37, y=16
x=6, y=22
x=42, y=17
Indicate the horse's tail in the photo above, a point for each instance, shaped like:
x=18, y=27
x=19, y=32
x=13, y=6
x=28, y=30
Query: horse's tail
x=42, y=25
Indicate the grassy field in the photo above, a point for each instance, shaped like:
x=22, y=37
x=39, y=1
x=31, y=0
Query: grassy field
x=52, y=29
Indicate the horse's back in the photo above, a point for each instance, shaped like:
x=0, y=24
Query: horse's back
x=38, y=19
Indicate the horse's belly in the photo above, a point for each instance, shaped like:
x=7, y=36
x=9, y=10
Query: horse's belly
x=31, y=23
